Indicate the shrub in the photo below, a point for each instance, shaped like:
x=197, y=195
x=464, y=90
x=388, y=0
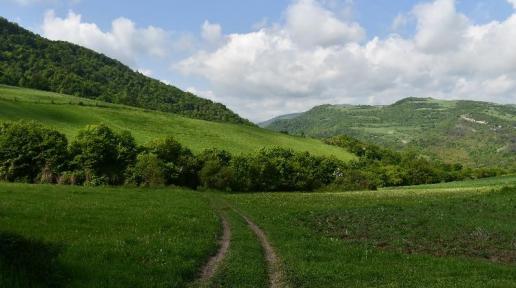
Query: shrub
x=28, y=151
x=102, y=154
x=181, y=166
x=149, y=171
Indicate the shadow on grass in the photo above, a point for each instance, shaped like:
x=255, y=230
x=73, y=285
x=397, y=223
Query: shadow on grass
x=29, y=263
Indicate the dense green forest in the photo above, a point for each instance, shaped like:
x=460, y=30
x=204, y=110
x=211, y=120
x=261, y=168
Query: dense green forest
x=29, y=60
x=472, y=133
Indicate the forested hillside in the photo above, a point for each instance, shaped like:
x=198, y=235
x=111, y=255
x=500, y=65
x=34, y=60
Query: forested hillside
x=29, y=60
x=472, y=133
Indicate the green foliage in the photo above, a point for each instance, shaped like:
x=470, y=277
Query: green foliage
x=102, y=154
x=380, y=167
x=28, y=60
x=148, y=171
x=476, y=134
x=99, y=156
x=30, y=153
x=181, y=167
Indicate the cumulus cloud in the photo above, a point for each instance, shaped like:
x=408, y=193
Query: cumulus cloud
x=305, y=61
x=309, y=23
x=512, y=2
x=124, y=41
x=211, y=32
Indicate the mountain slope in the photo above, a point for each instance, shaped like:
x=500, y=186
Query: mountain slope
x=68, y=114
x=29, y=60
x=469, y=132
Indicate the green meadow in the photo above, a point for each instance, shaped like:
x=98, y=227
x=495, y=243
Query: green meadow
x=446, y=235
x=68, y=114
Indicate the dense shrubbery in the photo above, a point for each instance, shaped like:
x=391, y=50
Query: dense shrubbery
x=32, y=153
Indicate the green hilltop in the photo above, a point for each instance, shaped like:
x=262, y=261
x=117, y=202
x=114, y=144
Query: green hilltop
x=29, y=60
x=68, y=114
x=474, y=133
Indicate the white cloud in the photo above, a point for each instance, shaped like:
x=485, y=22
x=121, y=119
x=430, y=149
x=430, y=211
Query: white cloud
x=208, y=94
x=124, y=42
x=512, y=2
x=400, y=22
x=309, y=23
x=146, y=72
x=291, y=66
x=211, y=32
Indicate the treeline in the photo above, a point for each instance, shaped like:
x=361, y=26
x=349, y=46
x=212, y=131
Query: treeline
x=30, y=152
x=29, y=60
x=380, y=167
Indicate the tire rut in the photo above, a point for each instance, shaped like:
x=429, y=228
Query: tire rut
x=276, y=273
x=214, y=263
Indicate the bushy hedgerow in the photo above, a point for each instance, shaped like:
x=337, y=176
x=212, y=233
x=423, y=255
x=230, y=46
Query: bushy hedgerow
x=32, y=153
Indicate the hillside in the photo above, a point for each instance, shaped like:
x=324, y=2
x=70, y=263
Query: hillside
x=29, y=60
x=69, y=113
x=473, y=133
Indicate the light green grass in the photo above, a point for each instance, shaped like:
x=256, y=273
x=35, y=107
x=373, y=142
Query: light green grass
x=64, y=114
x=453, y=236
x=56, y=236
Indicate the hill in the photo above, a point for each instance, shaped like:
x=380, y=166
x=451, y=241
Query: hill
x=68, y=114
x=29, y=60
x=474, y=133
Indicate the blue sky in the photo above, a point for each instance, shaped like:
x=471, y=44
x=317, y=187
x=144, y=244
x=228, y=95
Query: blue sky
x=178, y=53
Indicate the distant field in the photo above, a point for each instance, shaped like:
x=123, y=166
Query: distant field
x=68, y=114
x=453, y=235
x=55, y=236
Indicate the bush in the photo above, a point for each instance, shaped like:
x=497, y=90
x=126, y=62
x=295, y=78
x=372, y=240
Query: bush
x=28, y=151
x=215, y=172
x=181, y=166
x=102, y=154
x=149, y=171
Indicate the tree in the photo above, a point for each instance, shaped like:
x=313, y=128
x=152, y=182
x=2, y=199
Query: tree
x=29, y=152
x=148, y=171
x=102, y=154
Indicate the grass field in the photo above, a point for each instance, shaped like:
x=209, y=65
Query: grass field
x=52, y=236
x=454, y=235
x=68, y=114
x=447, y=235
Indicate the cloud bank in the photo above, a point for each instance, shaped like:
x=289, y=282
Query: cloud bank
x=316, y=57
x=124, y=41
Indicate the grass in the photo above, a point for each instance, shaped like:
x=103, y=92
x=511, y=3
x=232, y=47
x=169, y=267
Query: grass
x=244, y=266
x=458, y=235
x=54, y=236
x=68, y=114
x=446, y=235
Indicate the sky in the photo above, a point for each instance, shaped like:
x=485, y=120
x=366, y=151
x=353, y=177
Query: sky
x=264, y=58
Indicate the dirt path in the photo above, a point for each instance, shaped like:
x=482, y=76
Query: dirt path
x=214, y=263
x=276, y=274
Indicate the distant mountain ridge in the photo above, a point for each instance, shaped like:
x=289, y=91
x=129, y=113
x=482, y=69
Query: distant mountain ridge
x=29, y=60
x=470, y=132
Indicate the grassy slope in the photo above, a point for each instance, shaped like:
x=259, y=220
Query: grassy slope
x=65, y=114
x=454, y=235
x=55, y=236
x=443, y=129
